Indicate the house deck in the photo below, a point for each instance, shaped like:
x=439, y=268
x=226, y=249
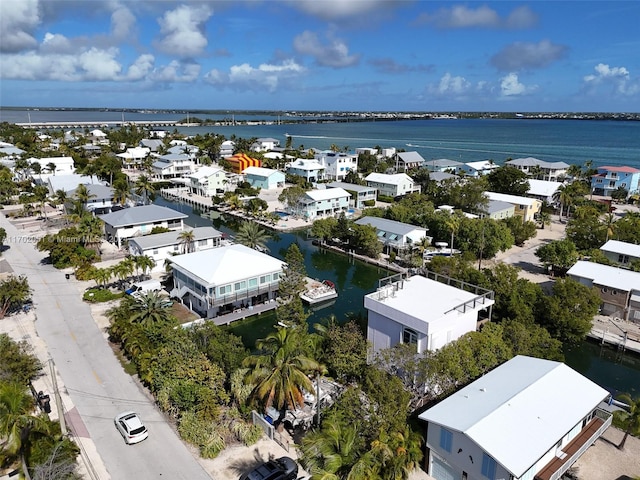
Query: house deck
x=559, y=465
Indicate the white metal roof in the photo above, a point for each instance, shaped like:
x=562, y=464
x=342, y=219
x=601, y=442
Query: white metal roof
x=395, y=179
x=223, y=265
x=261, y=171
x=327, y=194
x=605, y=275
x=164, y=239
x=514, y=199
x=419, y=301
x=520, y=410
x=542, y=188
x=624, y=248
x=205, y=172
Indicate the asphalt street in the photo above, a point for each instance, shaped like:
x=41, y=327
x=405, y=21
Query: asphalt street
x=93, y=377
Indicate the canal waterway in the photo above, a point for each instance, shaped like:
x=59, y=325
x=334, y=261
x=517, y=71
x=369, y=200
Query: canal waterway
x=353, y=279
x=610, y=368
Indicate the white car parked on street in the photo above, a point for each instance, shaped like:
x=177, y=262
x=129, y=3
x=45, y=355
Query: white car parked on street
x=131, y=427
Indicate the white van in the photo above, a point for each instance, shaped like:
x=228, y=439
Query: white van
x=144, y=287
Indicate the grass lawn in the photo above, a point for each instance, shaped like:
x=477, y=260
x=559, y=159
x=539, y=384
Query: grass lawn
x=182, y=313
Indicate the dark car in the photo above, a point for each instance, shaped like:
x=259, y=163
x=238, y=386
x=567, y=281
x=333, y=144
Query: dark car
x=283, y=468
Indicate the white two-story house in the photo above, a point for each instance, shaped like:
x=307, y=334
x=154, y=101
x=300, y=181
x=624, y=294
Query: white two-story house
x=173, y=165
x=163, y=246
x=423, y=311
x=328, y=202
x=392, y=185
x=207, y=181
x=309, y=169
x=137, y=221
x=336, y=164
x=527, y=419
x=219, y=280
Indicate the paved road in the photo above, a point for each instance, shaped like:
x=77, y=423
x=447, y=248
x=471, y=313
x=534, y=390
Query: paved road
x=95, y=380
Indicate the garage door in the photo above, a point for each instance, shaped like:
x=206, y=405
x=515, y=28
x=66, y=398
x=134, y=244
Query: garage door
x=441, y=471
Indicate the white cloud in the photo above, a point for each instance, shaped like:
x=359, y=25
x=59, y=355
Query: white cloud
x=450, y=85
x=525, y=55
x=141, y=67
x=183, y=30
x=337, y=9
x=335, y=54
x=99, y=64
x=56, y=43
x=461, y=16
x=18, y=20
x=616, y=78
x=521, y=18
x=122, y=23
x=265, y=77
x=176, y=72
x=511, y=86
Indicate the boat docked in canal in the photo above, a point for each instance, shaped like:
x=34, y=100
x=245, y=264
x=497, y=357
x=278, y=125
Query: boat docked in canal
x=318, y=292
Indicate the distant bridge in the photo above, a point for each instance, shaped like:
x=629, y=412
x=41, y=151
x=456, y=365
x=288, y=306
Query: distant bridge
x=103, y=124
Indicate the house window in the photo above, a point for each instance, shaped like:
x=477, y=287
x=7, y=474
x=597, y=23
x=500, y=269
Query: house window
x=488, y=467
x=202, y=243
x=176, y=248
x=224, y=290
x=409, y=336
x=265, y=279
x=276, y=276
x=155, y=251
x=253, y=282
x=623, y=258
x=240, y=286
x=446, y=438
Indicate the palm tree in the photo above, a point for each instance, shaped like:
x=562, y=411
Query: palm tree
x=145, y=187
x=187, y=239
x=453, y=224
x=61, y=198
x=51, y=166
x=630, y=419
x=18, y=426
x=331, y=451
x=144, y=262
x=150, y=308
x=121, y=192
x=41, y=194
x=123, y=269
x=251, y=235
x=102, y=276
x=609, y=222
x=279, y=372
x=563, y=196
x=544, y=218
x=83, y=194
x=396, y=454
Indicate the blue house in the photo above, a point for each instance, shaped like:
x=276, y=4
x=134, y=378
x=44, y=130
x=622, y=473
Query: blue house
x=265, y=178
x=608, y=179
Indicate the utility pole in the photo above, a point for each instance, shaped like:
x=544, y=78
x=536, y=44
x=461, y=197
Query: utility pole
x=56, y=392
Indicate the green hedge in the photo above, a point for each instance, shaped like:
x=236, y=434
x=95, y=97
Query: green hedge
x=97, y=295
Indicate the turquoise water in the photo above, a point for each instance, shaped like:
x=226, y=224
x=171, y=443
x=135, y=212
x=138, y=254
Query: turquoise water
x=353, y=279
x=604, y=142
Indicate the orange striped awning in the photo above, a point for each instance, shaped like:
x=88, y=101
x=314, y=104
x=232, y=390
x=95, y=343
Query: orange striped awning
x=240, y=161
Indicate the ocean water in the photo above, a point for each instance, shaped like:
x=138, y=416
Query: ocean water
x=603, y=142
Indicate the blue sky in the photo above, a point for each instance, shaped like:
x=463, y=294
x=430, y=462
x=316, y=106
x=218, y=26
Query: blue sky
x=358, y=55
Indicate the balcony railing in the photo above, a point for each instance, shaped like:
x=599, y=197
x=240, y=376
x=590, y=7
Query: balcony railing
x=576, y=447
